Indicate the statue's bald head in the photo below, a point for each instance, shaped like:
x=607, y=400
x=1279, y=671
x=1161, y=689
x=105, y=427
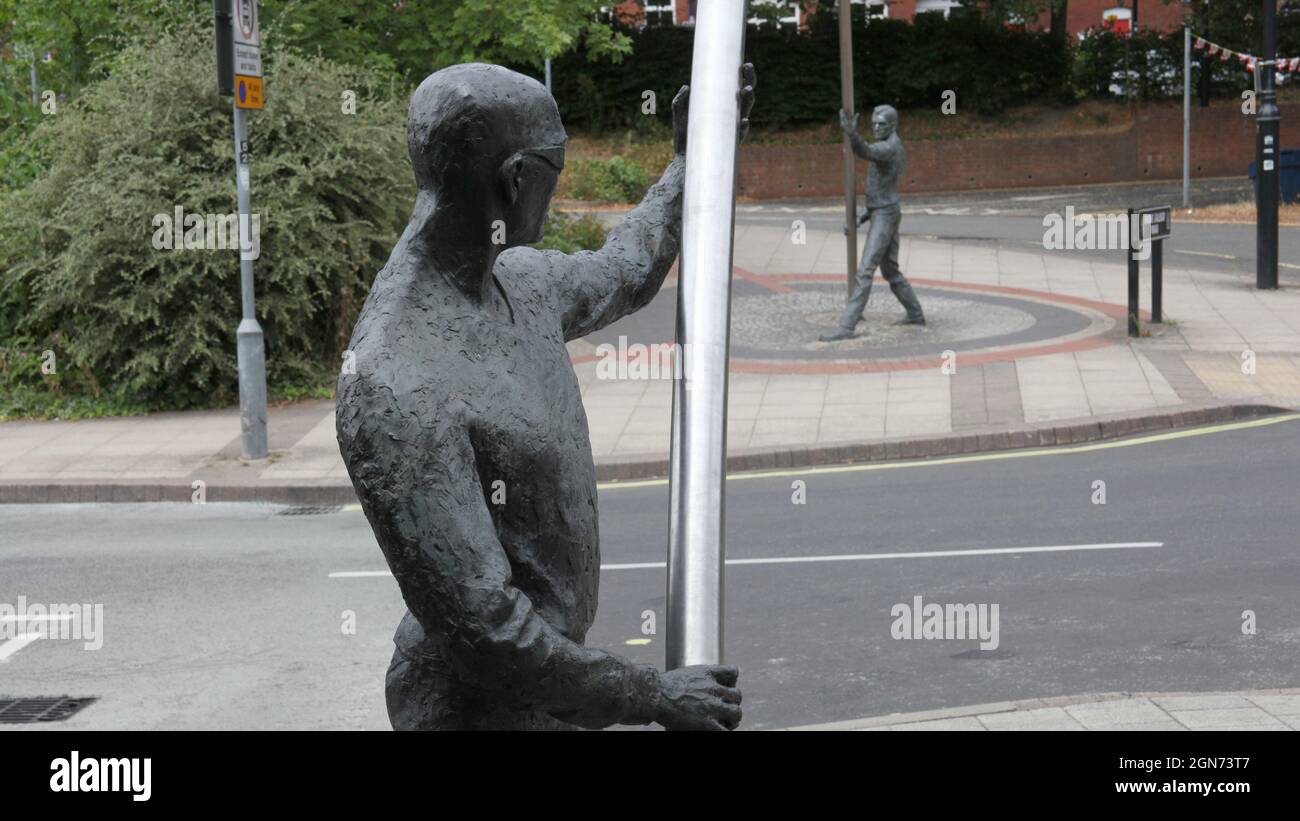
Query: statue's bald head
x=467, y=119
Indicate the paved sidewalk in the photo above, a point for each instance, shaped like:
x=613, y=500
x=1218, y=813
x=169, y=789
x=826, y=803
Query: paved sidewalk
x=1024, y=348
x=1241, y=710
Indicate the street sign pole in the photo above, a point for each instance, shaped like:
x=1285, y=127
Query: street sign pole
x=1187, y=117
x=252, y=350
x=696, y=548
x=1134, y=325
x=846, y=103
x=1268, y=127
x=239, y=74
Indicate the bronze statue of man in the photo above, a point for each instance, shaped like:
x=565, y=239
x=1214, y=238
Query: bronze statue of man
x=887, y=161
x=464, y=433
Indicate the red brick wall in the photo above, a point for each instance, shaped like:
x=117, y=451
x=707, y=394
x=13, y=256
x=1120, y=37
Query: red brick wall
x=1152, y=14
x=1223, y=144
x=902, y=9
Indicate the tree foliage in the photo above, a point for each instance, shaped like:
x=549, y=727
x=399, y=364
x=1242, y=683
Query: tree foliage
x=79, y=272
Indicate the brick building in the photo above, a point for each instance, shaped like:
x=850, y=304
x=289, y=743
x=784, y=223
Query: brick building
x=1082, y=14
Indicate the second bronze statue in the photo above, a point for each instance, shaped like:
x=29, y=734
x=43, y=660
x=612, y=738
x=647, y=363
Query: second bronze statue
x=888, y=160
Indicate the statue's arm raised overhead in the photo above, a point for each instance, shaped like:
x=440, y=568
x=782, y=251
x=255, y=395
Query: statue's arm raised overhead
x=595, y=288
x=878, y=151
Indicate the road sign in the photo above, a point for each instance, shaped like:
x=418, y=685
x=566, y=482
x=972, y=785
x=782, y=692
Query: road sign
x=1161, y=222
x=248, y=92
x=247, y=36
x=248, y=61
x=244, y=18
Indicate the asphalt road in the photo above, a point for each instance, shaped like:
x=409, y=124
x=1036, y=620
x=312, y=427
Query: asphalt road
x=226, y=616
x=1015, y=219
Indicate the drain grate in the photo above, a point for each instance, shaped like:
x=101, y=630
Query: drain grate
x=308, y=510
x=41, y=709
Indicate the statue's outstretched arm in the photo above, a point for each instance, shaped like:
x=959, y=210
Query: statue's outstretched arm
x=595, y=288
x=420, y=488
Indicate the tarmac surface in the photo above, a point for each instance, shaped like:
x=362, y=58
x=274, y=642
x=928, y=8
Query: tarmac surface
x=238, y=616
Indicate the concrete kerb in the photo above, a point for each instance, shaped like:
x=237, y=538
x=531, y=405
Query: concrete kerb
x=633, y=468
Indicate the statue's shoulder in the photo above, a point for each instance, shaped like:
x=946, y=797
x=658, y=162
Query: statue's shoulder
x=528, y=273
x=384, y=405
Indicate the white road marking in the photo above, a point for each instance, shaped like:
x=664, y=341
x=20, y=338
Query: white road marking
x=15, y=644
x=20, y=641
x=1204, y=254
x=850, y=557
x=1041, y=197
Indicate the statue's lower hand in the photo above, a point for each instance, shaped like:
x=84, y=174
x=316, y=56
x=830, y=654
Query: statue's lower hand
x=701, y=697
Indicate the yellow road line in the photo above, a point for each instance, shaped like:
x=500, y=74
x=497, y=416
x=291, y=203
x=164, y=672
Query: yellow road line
x=981, y=457
x=1062, y=450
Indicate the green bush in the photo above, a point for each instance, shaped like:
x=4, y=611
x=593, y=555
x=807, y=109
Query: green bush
x=78, y=270
x=570, y=234
x=614, y=179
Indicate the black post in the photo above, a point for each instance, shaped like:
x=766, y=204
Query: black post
x=225, y=48
x=1134, y=329
x=1157, y=279
x=1267, y=155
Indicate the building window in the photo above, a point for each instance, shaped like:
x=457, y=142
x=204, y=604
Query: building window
x=1118, y=20
x=943, y=7
x=660, y=14
x=876, y=9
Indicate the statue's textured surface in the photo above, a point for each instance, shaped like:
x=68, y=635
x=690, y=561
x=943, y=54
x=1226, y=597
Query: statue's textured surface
x=887, y=161
x=464, y=433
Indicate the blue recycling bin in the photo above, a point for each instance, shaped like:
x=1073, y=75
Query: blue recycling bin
x=1288, y=169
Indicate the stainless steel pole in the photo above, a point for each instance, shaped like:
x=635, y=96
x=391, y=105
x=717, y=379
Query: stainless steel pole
x=695, y=538
x=251, y=350
x=1187, y=117
x=548, y=74
x=846, y=103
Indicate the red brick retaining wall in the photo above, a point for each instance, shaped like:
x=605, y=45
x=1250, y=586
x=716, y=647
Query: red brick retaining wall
x=1223, y=144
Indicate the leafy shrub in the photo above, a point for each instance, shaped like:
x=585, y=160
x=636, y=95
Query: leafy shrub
x=570, y=234
x=1147, y=66
x=613, y=179
x=78, y=270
